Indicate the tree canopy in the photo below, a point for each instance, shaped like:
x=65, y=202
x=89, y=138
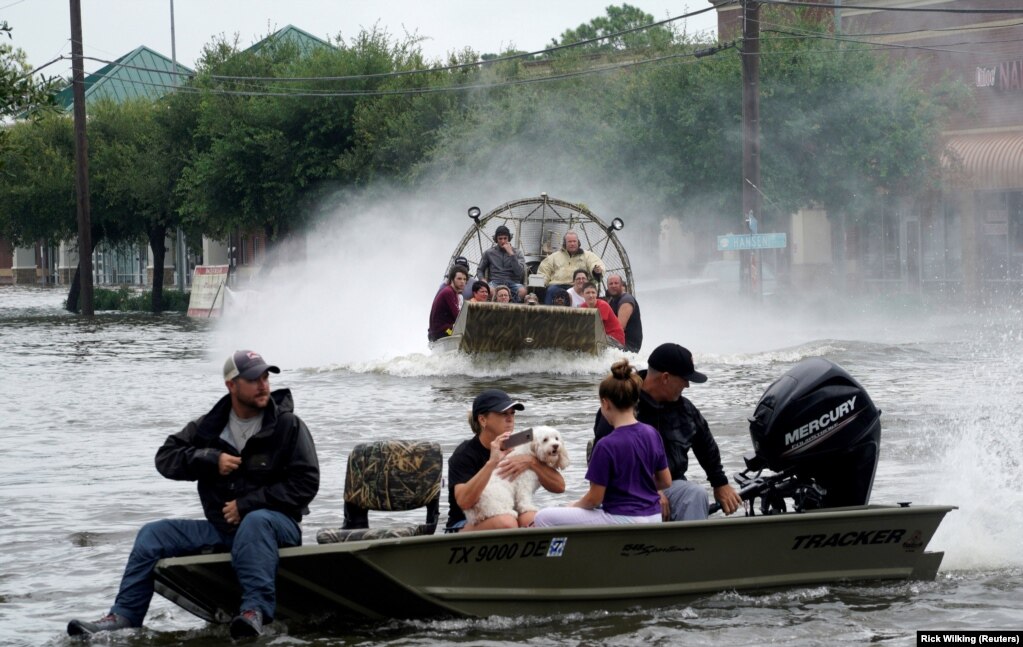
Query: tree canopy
x=258, y=138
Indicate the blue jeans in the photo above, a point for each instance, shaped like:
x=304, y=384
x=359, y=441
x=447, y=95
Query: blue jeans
x=253, y=553
x=688, y=501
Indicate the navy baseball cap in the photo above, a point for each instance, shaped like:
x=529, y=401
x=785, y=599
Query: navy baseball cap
x=494, y=400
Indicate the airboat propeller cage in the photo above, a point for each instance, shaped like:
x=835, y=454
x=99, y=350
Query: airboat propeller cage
x=538, y=227
x=817, y=422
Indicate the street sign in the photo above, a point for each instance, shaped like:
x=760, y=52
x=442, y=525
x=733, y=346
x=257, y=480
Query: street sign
x=751, y=241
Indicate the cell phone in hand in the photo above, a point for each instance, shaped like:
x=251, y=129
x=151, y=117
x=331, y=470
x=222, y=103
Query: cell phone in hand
x=520, y=438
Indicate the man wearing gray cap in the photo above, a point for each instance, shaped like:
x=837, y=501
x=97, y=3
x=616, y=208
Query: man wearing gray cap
x=257, y=471
x=682, y=427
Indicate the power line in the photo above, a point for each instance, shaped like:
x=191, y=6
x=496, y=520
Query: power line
x=843, y=6
x=799, y=34
x=445, y=68
x=678, y=57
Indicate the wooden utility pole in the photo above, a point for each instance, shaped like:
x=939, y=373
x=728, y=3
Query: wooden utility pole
x=81, y=163
x=751, y=200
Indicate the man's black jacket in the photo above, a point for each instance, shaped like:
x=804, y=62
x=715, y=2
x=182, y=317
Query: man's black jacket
x=279, y=469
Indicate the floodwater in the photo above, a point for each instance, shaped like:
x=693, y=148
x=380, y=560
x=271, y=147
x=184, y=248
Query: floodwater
x=87, y=402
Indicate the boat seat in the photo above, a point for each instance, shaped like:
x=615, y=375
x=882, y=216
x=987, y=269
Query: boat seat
x=390, y=475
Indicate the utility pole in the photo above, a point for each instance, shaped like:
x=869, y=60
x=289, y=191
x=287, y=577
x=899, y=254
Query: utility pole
x=750, y=272
x=180, y=252
x=81, y=163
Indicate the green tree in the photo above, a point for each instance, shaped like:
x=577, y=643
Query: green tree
x=618, y=18
x=37, y=183
x=259, y=157
x=20, y=91
x=134, y=162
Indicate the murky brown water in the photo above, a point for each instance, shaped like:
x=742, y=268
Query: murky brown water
x=86, y=404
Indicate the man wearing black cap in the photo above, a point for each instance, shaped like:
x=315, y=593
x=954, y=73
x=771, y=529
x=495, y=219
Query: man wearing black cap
x=682, y=427
x=257, y=471
x=475, y=460
x=502, y=264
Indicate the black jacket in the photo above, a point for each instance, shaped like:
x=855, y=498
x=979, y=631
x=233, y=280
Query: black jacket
x=279, y=469
x=681, y=426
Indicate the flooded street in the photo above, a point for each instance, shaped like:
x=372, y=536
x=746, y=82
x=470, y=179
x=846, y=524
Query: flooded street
x=87, y=403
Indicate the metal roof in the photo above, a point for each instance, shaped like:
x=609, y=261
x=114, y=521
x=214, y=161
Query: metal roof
x=139, y=73
x=988, y=160
x=302, y=39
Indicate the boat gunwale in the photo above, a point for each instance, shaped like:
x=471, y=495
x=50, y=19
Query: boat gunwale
x=851, y=512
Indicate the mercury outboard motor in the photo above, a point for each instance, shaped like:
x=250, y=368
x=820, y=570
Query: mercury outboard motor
x=819, y=431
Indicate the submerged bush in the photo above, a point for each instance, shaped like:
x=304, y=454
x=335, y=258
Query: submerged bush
x=125, y=299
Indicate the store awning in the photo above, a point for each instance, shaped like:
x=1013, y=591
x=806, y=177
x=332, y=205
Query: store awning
x=987, y=161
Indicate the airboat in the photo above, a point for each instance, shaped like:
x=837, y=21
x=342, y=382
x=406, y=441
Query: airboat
x=538, y=226
x=816, y=437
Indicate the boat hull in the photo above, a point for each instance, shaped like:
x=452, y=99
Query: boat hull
x=571, y=569
x=501, y=327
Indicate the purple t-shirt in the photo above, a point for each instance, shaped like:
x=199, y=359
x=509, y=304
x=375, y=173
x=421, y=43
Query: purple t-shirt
x=625, y=462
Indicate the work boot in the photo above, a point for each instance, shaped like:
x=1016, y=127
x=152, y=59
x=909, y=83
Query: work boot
x=109, y=622
x=247, y=624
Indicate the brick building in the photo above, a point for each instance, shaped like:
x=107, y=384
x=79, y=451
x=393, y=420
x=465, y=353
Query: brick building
x=967, y=238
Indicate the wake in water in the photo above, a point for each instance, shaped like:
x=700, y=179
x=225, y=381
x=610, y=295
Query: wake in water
x=981, y=451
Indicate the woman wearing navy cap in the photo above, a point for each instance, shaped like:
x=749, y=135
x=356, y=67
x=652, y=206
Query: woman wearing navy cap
x=475, y=460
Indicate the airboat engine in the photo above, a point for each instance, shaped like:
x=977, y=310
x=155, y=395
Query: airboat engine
x=819, y=431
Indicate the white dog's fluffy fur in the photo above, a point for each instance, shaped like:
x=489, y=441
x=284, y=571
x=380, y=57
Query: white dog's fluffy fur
x=502, y=496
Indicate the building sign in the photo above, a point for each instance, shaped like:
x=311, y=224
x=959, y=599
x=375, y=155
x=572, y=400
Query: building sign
x=1006, y=76
x=208, y=285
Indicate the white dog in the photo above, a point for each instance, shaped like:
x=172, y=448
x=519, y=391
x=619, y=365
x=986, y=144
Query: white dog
x=502, y=496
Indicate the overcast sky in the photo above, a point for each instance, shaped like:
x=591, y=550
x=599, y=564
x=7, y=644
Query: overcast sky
x=111, y=28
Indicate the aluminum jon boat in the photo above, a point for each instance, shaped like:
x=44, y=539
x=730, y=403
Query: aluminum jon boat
x=816, y=436
x=571, y=569
x=538, y=226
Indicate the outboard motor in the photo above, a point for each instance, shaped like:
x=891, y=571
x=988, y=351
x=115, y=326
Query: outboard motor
x=819, y=431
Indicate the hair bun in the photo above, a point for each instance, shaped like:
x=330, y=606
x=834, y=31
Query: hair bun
x=621, y=370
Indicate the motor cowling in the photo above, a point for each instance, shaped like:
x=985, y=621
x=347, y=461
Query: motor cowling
x=817, y=423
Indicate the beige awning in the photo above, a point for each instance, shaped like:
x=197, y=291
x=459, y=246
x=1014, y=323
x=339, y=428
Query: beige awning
x=986, y=161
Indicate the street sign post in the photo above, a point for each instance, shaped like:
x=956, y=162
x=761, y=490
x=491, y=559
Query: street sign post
x=739, y=242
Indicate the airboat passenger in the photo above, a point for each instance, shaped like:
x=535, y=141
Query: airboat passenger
x=257, y=471
x=627, y=311
x=502, y=264
x=464, y=262
x=559, y=296
x=612, y=327
x=447, y=303
x=579, y=280
x=480, y=292
x=475, y=460
x=627, y=469
x=559, y=267
x=682, y=427
x=502, y=294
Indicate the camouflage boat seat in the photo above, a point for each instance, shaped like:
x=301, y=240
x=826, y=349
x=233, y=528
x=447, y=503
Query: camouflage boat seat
x=389, y=475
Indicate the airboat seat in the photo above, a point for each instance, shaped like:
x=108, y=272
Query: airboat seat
x=389, y=475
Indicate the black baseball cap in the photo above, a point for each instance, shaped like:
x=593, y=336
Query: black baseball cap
x=246, y=364
x=674, y=359
x=494, y=400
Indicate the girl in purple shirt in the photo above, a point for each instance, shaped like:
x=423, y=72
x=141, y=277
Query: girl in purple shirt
x=628, y=467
